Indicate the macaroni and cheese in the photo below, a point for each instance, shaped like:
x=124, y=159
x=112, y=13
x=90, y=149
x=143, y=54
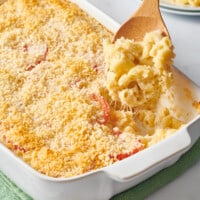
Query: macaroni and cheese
x=194, y=3
x=138, y=72
x=68, y=103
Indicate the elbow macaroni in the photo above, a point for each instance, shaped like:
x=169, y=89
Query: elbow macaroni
x=138, y=72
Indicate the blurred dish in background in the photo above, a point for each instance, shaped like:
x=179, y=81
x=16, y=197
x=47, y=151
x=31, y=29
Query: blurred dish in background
x=170, y=7
x=168, y=4
x=188, y=4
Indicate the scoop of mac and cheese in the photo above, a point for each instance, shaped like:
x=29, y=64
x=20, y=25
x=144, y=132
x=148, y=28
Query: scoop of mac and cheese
x=138, y=72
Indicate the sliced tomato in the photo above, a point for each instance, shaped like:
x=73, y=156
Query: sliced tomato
x=38, y=61
x=116, y=131
x=105, y=107
x=95, y=67
x=42, y=58
x=126, y=155
x=123, y=156
x=25, y=47
x=19, y=148
x=30, y=67
x=15, y=147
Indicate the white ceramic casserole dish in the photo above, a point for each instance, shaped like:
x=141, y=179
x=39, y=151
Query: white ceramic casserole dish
x=102, y=184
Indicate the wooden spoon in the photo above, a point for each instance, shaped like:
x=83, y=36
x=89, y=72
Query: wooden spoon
x=146, y=19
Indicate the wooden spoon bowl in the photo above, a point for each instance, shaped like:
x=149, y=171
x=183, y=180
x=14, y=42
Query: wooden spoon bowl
x=146, y=19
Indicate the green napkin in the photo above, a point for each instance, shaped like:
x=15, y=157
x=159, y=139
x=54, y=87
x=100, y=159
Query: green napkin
x=9, y=191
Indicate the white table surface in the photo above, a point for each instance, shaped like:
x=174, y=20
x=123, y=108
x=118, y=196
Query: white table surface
x=185, y=34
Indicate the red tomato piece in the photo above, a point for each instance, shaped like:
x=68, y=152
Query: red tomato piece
x=105, y=107
x=30, y=67
x=126, y=155
x=25, y=47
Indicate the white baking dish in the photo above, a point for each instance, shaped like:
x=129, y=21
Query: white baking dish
x=102, y=184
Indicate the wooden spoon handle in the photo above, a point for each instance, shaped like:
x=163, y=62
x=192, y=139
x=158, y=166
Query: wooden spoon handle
x=148, y=8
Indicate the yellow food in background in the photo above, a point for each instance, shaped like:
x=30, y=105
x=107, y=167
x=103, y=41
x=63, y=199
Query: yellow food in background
x=194, y=3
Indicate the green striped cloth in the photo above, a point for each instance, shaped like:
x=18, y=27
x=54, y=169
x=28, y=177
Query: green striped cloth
x=9, y=191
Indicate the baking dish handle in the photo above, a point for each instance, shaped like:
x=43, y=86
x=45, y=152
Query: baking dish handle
x=151, y=160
